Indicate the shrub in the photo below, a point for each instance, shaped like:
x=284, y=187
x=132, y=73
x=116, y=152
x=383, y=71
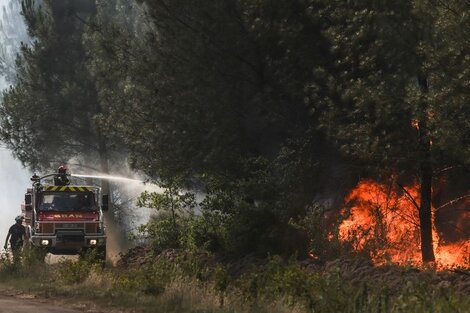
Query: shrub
x=74, y=272
x=142, y=280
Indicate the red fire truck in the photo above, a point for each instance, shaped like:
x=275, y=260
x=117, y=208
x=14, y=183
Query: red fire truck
x=65, y=219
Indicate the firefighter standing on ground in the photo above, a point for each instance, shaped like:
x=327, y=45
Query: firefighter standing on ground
x=16, y=235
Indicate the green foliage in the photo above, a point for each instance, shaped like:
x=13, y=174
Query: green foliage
x=382, y=98
x=322, y=232
x=359, y=99
x=221, y=278
x=191, y=232
x=8, y=266
x=138, y=280
x=276, y=279
x=48, y=116
x=206, y=232
x=172, y=199
x=94, y=256
x=32, y=256
x=257, y=207
x=263, y=107
x=74, y=272
x=250, y=214
x=161, y=231
x=389, y=70
x=77, y=271
x=178, y=281
x=222, y=107
x=12, y=33
x=174, y=210
x=21, y=263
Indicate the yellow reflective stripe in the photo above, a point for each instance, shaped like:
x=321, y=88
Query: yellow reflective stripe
x=69, y=188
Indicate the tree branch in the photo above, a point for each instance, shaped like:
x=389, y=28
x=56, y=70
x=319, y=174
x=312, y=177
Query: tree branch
x=409, y=196
x=452, y=202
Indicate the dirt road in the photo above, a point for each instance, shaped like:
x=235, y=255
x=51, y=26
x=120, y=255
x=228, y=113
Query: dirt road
x=26, y=304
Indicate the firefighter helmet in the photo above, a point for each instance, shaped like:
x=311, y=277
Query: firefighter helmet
x=62, y=169
x=19, y=218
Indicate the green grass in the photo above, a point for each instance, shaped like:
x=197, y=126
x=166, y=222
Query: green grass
x=195, y=284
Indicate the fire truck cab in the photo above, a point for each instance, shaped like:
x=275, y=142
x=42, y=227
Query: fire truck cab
x=63, y=218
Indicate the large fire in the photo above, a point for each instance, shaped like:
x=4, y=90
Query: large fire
x=383, y=222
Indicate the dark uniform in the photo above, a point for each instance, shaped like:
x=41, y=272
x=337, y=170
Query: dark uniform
x=61, y=180
x=17, y=232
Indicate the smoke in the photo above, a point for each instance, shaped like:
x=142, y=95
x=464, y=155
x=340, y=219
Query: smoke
x=12, y=34
x=126, y=186
x=14, y=178
x=124, y=216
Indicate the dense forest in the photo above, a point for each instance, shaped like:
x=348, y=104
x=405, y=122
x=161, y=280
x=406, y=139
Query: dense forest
x=272, y=110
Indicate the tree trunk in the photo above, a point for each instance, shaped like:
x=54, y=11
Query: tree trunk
x=425, y=215
x=104, y=163
x=426, y=174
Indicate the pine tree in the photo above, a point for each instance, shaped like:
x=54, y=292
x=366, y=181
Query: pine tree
x=48, y=115
x=12, y=33
x=393, y=61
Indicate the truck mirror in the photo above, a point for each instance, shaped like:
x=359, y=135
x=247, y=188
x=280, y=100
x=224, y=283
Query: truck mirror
x=28, y=201
x=105, y=202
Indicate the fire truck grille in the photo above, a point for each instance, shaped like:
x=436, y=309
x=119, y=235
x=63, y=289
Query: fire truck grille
x=64, y=237
x=69, y=226
x=91, y=228
x=47, y=228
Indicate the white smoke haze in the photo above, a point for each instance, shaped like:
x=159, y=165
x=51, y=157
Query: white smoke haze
x=126, y=186
x=14, y=178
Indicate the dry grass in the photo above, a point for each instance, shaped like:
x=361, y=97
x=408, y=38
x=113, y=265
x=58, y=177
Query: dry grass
x=274, y=287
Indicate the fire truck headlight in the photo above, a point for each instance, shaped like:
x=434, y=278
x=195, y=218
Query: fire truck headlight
x=45, y=242
x=93, y=242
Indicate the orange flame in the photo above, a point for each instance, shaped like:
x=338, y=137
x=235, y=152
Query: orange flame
x=384, y=222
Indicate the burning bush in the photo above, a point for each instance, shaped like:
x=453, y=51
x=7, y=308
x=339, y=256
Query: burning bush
x=383, y=221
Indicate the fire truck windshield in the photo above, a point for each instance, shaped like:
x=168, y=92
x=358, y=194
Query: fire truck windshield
x=68, y=201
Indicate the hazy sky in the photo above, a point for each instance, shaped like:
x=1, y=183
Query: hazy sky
x=14, y=180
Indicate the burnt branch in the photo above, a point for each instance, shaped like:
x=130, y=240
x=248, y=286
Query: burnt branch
x=452, y=202
x=409, y=196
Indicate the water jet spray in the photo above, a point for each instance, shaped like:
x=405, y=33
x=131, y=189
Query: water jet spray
x=108, y=177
